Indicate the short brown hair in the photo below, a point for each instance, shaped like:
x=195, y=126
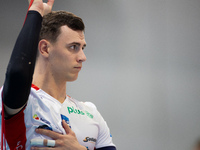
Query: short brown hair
x=53, y=21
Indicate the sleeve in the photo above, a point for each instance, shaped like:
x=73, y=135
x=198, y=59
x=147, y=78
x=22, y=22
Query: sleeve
x=22, y=62
x=7, y=147
x=107, y=148
x=15, y=131
x=104, y=140
x=18, y=80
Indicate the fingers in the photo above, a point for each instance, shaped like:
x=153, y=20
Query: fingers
x=66, y=127
x=48, y=133
x=48, y=7
x=60, y=141
x=53, y=134
x=43, y=142
x=50, y=3
x=40, y=6
x=42, y=148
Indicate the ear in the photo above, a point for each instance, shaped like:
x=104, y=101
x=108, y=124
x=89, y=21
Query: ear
x=43, y=47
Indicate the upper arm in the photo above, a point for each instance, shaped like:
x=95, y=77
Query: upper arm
x=104, y=139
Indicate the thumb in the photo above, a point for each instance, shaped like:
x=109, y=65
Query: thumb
x=50, y=3
x=66, y=127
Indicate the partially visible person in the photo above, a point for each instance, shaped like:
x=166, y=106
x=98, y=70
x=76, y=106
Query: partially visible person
x=197, y=145
x=34, y=96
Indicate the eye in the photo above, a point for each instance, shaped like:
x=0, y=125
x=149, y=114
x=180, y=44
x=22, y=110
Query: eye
x=83, y=47
x=74, y=47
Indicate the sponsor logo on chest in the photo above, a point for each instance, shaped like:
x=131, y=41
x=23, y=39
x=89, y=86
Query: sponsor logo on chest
x=79, y=112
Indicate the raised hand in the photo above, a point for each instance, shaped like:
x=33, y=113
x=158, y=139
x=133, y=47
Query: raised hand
x=41, y=7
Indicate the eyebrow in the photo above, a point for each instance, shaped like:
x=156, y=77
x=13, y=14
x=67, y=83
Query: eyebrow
x=76, y=43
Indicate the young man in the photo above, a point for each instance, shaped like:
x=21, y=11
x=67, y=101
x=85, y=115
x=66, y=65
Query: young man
x=42, y=102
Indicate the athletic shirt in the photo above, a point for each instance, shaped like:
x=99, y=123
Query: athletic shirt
x=44, y=111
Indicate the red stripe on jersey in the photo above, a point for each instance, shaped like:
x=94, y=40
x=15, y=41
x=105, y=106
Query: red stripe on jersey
x=31, y=2
x=3, y=141
x=15, y=131
x=35, y=87
x=69, y=96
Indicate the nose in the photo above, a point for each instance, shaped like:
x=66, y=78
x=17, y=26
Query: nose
x=81, y=56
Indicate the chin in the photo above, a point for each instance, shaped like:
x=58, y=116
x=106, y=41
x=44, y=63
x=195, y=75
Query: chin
x=72, y=79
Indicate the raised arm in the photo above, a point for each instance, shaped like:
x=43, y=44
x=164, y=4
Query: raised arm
x=22, y=62
x=42, y=8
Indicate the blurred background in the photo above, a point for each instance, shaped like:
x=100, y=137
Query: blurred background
x=142, y=69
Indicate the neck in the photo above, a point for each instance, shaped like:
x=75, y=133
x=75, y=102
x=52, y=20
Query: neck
x=43, y=79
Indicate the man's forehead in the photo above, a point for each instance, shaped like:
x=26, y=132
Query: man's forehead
x=66, y=29
x=72, y=35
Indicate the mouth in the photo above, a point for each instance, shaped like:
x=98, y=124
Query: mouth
x=78, y=68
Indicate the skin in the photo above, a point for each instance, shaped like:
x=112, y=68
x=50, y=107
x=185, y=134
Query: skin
x=58, y=63
x=63, y=142
x=43, y=9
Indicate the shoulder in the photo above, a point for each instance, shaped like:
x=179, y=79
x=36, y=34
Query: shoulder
x=90, y=104
x=88, y=108
x=91, y=110
x=83, y=104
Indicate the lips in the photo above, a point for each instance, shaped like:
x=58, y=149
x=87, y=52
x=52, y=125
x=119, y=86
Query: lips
x=79, y=68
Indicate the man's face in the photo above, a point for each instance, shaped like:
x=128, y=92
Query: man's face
x=66, y=54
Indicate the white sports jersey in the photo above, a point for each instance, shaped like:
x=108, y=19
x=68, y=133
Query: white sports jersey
x=44, y=111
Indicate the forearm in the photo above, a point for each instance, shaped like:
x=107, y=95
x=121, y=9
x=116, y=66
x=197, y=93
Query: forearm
x=22, y=62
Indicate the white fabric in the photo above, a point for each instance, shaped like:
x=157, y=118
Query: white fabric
x=90, y=128
x=37, y=142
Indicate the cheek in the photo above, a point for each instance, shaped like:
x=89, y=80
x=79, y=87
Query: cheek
x=64, y=62
x=56, y=56
x=62, y=58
